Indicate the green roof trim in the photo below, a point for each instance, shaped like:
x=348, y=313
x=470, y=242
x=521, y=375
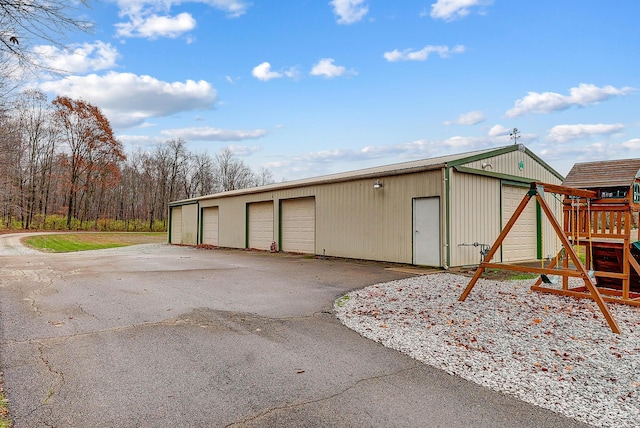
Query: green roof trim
x=499, y=176
x=183, y=202
x=485, y=155
x=502, y=151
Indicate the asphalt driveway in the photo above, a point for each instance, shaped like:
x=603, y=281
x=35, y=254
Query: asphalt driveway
x=158, y=336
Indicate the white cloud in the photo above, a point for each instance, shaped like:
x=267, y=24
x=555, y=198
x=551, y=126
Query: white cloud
x=453, y=9
x=131, y=99
x=564, y=156
x=78, y=58
x=499, y=131
x=154, y=26
x=243, y=150
x=233, y=8
x=422, y=54
x=325, y=161
x=325, y=67
x=140, y=140
x=582, y=95
x=264, y=73
x=349, y=11
x=633, y=144
x=564, y=133
x=213, y=134
x=152, y=18
x=471, y=118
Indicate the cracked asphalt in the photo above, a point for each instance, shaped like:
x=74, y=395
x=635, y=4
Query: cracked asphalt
x=159, y=335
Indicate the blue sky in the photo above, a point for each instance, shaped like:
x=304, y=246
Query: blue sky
x=311, y=87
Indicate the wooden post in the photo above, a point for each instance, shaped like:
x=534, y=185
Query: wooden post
x=595, y=294
x=537, y=190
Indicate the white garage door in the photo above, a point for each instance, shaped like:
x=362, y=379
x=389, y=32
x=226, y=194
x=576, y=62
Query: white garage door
x=261, y=225
x=299, y=225
x=521, y=242
x=176, y=225
x=210, y=226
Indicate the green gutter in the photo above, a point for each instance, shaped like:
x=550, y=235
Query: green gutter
x=539, y=230
x=200, y=232
x=447, y=215
x=280, y=224
x=170, y=223
x=246, y=226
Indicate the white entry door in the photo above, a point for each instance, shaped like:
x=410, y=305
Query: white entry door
x=426, y=231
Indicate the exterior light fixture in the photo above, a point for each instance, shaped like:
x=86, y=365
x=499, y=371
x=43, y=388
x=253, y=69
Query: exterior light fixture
x=377, y=184
x=486, y=165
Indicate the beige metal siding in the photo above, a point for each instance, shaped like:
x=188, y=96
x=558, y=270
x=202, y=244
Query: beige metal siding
x=210, y=226
x=474, y=216
x=355, y=220
x=511, y=163
x=352, y=218
x=475, y=204
x=521, y=242
x=298, y=225
x=261, y=225
x=189, y=232
x=176, y=225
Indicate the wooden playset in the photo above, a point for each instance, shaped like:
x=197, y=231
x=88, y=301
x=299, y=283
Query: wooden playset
x=600, y=208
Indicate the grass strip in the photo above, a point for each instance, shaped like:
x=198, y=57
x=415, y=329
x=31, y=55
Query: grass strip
x=72, y=242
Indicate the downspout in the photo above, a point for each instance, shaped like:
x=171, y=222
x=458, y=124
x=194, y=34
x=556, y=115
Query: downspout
x=445, y=193
x=199, y=225
x=169, y=216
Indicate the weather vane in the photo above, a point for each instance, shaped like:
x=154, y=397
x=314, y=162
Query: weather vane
x=515, y=135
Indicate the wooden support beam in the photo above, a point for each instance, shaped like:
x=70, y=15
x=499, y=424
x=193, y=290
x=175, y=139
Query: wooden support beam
x=564, y=190
x=537, y=190
x=541, y=271
x=609, y=297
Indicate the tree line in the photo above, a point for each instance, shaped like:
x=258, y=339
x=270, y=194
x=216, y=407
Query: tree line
x=61, y=167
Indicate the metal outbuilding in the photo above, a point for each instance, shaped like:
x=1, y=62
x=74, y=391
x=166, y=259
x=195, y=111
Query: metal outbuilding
x=427, y=212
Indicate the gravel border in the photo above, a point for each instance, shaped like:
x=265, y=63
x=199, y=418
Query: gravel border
x=552, y=351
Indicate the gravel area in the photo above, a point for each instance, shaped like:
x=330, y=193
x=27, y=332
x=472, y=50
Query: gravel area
x=555, y=352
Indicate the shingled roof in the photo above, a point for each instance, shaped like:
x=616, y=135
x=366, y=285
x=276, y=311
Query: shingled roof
x=612, y=173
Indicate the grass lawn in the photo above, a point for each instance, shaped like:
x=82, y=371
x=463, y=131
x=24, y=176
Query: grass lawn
x=70, y=242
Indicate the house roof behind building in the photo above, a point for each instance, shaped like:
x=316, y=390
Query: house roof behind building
x=612, y=173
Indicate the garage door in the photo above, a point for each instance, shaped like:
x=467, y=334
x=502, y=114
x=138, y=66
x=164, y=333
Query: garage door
x=521, y=242
x=299, y=225
x=260, y=225
x=210, y=226
x=176, y=225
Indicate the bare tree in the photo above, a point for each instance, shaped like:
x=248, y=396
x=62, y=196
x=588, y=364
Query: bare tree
x=264, y=177
x=32, y=113
x=232, y=173
x=202, y=177
x=24, y=23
